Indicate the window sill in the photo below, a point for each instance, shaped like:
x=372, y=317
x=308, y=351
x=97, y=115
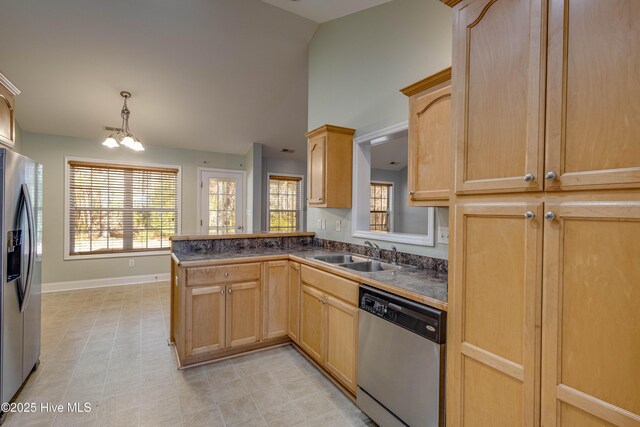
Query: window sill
x=410, y=239
x=68, y=257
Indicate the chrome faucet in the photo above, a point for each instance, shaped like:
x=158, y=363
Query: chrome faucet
x=394, y=255
x=375, y=249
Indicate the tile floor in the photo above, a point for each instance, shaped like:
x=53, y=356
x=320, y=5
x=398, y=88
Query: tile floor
x=108, y=347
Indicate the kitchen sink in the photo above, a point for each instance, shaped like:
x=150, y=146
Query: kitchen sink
x=371, y=266
x=340, y=259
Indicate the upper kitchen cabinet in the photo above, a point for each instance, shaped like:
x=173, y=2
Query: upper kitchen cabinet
x=7, y=112
x=429, y=166
x=329, y=163
x=593, y=112
x=498, y=100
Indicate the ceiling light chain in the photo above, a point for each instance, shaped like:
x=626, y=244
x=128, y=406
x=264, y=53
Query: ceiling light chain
x=124, y=136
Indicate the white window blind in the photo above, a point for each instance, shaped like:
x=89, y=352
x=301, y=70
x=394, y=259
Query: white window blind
x=285, y=203
x=117, y=208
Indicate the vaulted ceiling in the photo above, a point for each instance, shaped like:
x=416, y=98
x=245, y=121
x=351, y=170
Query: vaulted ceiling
x=212, y=75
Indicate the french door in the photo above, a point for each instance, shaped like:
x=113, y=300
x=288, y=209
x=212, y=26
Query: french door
x=221, y=201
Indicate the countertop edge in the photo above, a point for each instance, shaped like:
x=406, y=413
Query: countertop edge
x=241, y=236
x=441, y=305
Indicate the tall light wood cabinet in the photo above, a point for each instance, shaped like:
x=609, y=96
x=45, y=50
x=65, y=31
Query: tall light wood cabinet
x=294, y=302
x=329, y=164
x=545, y=285
x=591, y=316
x=275, y=303
x=498, y=97
x=494, y=335
x=429, y=171
x=593, y=113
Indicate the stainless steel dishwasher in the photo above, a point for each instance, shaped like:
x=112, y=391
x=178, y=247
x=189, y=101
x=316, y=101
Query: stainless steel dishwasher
x=401, y=350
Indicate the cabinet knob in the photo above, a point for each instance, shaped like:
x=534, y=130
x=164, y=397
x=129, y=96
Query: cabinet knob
x=529, y=215
x=550, y=176
x=549, y=216
x=226, y=274
x=222, y=291
x=229, y=291
x=529, y=177
x=411, y=193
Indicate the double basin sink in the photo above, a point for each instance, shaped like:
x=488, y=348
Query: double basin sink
x=357, y=263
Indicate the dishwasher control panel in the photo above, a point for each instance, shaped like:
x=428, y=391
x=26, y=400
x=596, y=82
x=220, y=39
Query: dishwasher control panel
x=418, y=318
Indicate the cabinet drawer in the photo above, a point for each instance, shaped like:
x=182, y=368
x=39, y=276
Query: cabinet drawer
x=344, y=289
x=223, y=274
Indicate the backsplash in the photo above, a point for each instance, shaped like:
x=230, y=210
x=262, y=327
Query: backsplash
x=420, y=261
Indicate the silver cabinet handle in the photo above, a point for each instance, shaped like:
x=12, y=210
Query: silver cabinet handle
x=529, y=215
x=549, y=216
x=550, y=176
x=529, y=177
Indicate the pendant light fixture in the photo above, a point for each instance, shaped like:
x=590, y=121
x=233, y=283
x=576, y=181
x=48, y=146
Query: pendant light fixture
x=123, y=136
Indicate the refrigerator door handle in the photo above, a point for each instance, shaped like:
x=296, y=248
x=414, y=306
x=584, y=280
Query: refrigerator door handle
x=26, y=199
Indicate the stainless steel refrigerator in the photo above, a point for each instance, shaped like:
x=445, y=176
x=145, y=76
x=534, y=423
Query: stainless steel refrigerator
x=21, y=228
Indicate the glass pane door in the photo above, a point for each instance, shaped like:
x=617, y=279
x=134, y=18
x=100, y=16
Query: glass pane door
x=221, y=202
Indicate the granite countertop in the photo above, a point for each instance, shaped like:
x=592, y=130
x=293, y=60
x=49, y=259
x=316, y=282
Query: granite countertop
x=431, y=285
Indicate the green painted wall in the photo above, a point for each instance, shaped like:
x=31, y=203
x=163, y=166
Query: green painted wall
x=51, y=151
x=358, y=64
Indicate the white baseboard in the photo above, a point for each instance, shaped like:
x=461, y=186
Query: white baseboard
x=101, y=283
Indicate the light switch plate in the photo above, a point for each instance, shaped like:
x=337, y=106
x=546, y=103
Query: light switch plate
x=319, y=224
x=324, y=224
x=443, y=235
x=338, y=225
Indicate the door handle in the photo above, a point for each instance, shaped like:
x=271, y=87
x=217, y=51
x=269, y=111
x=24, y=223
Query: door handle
x=26, y=202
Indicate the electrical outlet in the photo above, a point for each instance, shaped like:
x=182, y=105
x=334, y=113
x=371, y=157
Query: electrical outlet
x=324, y=224
x=338, y=225
x=132, y=263
x=443, y=235
x=319, y=224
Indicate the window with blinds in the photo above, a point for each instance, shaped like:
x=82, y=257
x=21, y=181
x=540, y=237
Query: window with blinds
x=285, y=203
x=114, y=208
x=379, y=206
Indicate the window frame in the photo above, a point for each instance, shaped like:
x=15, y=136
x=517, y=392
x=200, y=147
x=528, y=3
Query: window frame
x=301, y=220
x=124, y=254
x=390, y=201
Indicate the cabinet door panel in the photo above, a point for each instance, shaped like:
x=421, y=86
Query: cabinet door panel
x=317, y=169
x=205, y=313
x=498, y=124
x=275, y=304
x=294, y=302
x=593, y=113
x=7, y=118
x=495, y=312
x=430, y=146
x=342, y=338
x=591, y=335
x=243, y=314
x=312, y=326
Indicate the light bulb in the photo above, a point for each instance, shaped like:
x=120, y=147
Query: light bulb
x=110, y=142
x=128, y=142
x=137, y=146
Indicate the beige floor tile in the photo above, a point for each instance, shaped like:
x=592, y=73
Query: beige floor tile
x=271, y=397
x=206, y=418
x=284, y=415
x=259, y=381
x=239, y=410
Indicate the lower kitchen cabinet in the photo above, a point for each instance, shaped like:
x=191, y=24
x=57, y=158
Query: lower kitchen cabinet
x=494, y=307
x=591, y=315
x=328, y=333
x=243, y=314
x=312, y=327
x=275, y=293
x=205, y=320
x=294, y=302
x=341, y=341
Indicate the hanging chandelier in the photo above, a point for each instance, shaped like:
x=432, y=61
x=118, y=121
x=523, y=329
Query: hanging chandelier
x=123, y=136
